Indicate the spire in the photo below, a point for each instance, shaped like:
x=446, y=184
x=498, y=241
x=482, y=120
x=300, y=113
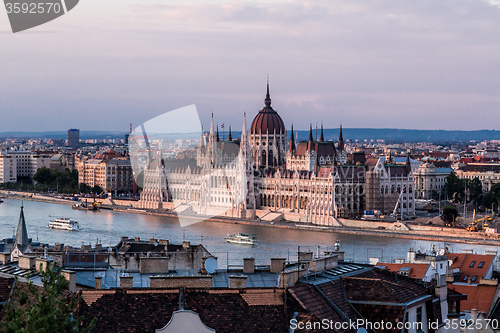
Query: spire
x=244, y=130
x=217, y=135
x=341, y=140
x=202, y=143
x=408, y=164
x=267, y=101
x=244, y=148
x=229, y=137
x=292, y=142
x=321, y=136
x=22, y=232
x=310, y=145
x=212, y=128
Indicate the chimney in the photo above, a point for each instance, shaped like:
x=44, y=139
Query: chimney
x=277, y=265
x=473, y=314
x=164, y=241
x=126, y=282
x=98, y=282
x=185, y=244
x=305, y=256
x=26, y=262
x=137, y=239
x=153, y=240
x=237, y=281
x=248, y=265
x=124, y=238
x=71, y=277
x=410, y=256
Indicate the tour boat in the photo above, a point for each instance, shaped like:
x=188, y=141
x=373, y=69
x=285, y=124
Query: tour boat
x=240, y=238
x=64, y=223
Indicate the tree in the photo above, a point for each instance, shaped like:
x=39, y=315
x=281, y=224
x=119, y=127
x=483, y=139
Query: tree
x=43, y=309
x=475, y=189
x=450, y=214
x=455, y=187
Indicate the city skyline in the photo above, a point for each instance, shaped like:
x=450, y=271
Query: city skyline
x=364, y=64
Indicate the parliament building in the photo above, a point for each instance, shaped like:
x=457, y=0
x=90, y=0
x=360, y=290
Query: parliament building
x=267, y=172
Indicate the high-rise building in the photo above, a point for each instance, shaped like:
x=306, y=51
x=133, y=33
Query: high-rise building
x=73, y=137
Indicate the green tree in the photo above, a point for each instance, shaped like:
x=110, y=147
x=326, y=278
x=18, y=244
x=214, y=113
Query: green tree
x=455, y=187
x=450, y=214
x=43, y=309
x=475, y=190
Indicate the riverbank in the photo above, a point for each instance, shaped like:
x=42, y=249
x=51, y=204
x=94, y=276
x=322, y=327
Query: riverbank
x=378, y=229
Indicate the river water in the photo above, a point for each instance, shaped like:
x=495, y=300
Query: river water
x=108, y=226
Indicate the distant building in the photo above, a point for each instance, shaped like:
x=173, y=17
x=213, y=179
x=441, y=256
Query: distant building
x=73, y=137
x=430, y=181
x=25, y=163
x=487, y=173
x=113, y=174
x=156, y=255
x=8, y=169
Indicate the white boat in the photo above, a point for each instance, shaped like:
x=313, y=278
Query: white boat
x=241, y=238
x=64, y=223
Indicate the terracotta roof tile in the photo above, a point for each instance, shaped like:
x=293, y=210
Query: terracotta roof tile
x=417, y=271
x=479, y=297
x=463, y=262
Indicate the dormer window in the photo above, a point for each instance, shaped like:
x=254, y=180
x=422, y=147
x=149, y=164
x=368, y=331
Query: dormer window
x=472, y=264
x=481, y=264
x=474, y=278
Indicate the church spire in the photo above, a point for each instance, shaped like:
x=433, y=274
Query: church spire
x=267, y=101
x=217, y=135
x=292, y=142
x=321, y=136
x=22, y=232
x=229, y=137
x=341, y=140
x=310, y=145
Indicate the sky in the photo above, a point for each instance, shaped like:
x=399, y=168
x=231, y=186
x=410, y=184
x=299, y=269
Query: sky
x=423, y=64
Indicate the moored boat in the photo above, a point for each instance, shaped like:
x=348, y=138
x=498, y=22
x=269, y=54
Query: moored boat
x=64, y=223
x=240, y=238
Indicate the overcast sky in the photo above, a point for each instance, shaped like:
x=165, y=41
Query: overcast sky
x=426, y=64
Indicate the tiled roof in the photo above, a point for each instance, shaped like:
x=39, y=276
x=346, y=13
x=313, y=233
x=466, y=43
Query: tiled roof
x=311, y=299
x=463, y=261
x=482, y=167
x=371, y=162
x=398, y=171
x=416, y=271
x=479, y=297
x=230, y=310
x=335, y=292
x=5, y=288
x=371, y=294
x=377, y=290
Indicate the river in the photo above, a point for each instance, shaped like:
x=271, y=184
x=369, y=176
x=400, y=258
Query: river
x=108, y=226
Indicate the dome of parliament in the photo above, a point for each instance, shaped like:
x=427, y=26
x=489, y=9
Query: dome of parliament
x=267, y=120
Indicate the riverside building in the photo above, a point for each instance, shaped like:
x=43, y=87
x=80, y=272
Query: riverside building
x=261, y=176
